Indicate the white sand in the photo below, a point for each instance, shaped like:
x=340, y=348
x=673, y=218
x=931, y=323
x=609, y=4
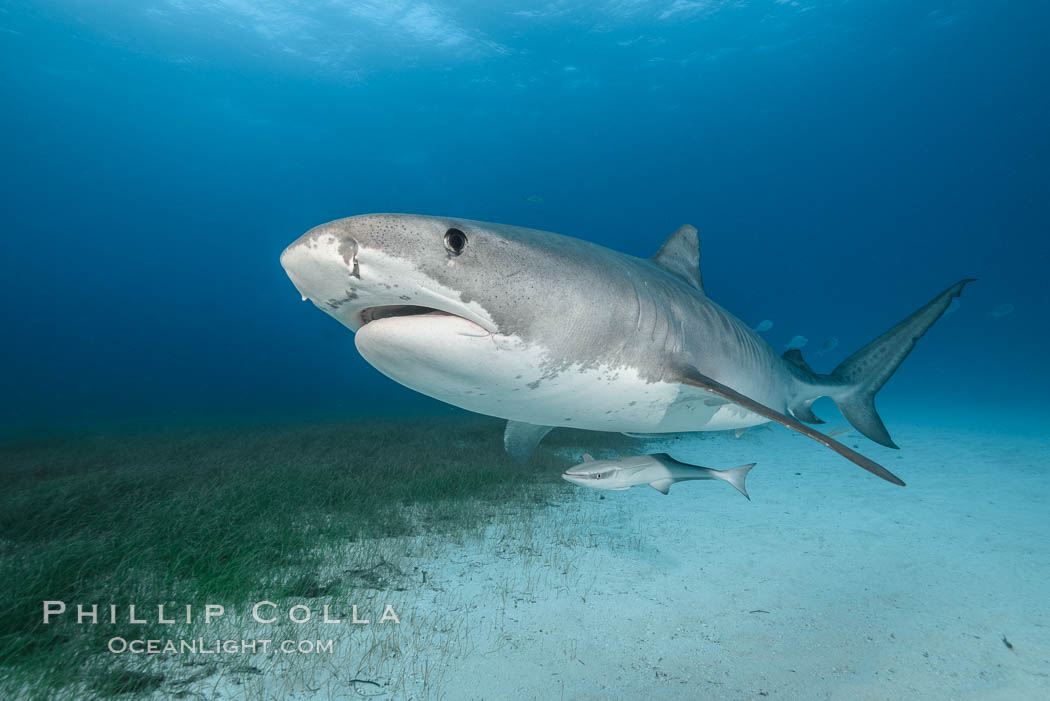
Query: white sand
x=872, y=591
x=829, y=584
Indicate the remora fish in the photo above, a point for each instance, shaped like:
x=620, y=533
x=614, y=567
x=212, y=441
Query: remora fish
x=659, y=471
x=547, y=330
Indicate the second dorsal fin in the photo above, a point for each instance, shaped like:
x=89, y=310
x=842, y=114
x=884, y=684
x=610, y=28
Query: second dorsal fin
x=794, y=356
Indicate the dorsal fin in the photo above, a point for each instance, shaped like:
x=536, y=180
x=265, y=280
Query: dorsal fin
x=794, y=356
x=587, y=457
x=680, y=255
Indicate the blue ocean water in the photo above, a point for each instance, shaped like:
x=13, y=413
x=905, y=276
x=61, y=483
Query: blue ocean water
x=844, y=162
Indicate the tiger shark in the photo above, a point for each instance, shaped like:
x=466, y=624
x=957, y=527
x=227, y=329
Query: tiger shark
x=547, y=330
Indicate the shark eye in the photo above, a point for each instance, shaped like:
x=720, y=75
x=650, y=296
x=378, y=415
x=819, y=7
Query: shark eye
x=455, y=241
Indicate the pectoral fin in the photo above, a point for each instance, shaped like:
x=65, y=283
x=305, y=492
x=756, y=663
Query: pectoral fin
x=694, y=378
x=520, y=439
x=662, y=486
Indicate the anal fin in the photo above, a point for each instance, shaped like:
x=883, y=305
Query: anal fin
x=803, y=411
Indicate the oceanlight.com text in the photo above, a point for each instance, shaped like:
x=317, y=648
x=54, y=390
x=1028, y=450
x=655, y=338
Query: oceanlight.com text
x=199, y=646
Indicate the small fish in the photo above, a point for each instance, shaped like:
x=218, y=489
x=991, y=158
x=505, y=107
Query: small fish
x=829, y=345
x=659, y=471
x=1002, y=310
x=764, y=325
x=532, y=199
x=796, y=342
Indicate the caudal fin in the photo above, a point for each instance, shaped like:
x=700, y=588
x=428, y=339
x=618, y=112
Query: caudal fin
x=736, y=477
x=865, y=372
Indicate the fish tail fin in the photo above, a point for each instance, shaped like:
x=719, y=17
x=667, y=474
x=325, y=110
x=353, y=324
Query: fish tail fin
x=736, y=477
x=853, y=384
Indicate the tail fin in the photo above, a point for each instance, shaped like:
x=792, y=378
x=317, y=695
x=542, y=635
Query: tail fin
x=866, y=371
x=736, y=477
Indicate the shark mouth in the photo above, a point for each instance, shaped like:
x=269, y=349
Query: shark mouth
x=370, y=314
x=390, y=311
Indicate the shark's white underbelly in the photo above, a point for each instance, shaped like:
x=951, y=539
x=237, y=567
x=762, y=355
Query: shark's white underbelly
x=457, y=362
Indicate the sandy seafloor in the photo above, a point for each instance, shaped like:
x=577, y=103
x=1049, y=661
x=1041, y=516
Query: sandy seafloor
x=829, y=584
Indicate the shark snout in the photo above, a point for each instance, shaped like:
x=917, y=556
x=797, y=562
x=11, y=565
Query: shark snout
x=286, y=262
x=296, y=263
x=317, y=257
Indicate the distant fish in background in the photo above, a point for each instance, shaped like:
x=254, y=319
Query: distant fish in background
x=659, y=471
x=764, y=325
x=532, y=199
x=1002, y=310
x=829, y=345
x=796, y=342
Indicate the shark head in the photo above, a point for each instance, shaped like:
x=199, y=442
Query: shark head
x=428, y=297
x=374, y=268
x=412, y=288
